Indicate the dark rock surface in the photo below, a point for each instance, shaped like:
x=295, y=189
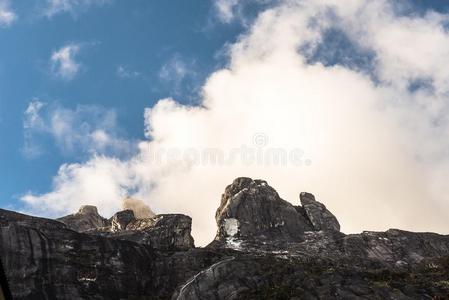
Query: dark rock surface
x=317, y=213
x=121, y=219
x=251, y=258
x=168, y=232
x=164, y=232
x=43, y=259
x=251, y=209
x=5, y=293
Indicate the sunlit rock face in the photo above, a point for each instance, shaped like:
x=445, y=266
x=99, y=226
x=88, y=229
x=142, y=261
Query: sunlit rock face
x=87, y=218
x=265, y=248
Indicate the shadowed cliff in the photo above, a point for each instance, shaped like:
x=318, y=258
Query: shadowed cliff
x=265, y=248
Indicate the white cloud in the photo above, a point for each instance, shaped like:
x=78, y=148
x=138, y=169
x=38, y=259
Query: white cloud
x=176, y=70
x=125, y=72
x=179, y=75
x=378, y=148
x=54, y=7
x=96, y=182
x=32, y=122
x=7, y=16
x=230, y=11
x=32, y=117
x=63, y=63
x=225, y=9
x=87, y=129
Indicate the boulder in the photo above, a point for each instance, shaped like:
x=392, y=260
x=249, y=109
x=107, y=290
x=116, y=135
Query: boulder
x=121, y=219
x=317, y=213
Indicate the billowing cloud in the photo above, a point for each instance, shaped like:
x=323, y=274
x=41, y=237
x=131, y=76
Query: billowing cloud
x=54, y=7
x=85, y=130
x=101, y=181
x=364, y=127
x=63, y=64
x=7, y=15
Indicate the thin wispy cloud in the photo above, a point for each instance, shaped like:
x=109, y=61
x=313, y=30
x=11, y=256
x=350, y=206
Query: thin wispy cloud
x=7, y=15
x=84, y=130
x=54, y=7
x=226, y=9
x=32, y=122
x=32, y=118
x=176, y=71
x=125, y=72
x=63, y=62
x=230, y=11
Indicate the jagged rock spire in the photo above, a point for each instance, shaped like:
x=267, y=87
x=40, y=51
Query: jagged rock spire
x=87, y=218
x=251, y=209
x=319, y=216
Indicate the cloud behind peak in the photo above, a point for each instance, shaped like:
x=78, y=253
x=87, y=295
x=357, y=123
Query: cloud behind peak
x=377, y=149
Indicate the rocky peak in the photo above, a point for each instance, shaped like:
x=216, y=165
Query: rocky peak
x=317, y=213
x=87, y=218
x=121, y=219
x=251, y=209
x=168, y=231
x=305, y=197
x=88, y=210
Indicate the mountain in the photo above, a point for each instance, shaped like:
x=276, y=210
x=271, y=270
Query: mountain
x=265, y=248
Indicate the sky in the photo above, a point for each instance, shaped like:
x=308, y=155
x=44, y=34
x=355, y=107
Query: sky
x=123, y=50
x=169, y=101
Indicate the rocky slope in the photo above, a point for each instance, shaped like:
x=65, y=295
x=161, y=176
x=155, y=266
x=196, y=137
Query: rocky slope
x=265, y=248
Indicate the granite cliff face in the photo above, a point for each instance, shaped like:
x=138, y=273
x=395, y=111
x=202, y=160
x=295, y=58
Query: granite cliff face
x=251, y=209
x=265, y=248
x=168, y=232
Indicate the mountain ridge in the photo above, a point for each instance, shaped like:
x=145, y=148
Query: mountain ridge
x=265, y=248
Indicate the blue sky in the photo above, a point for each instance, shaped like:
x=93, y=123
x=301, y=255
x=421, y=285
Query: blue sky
x=138, y=37
x=360, y=90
